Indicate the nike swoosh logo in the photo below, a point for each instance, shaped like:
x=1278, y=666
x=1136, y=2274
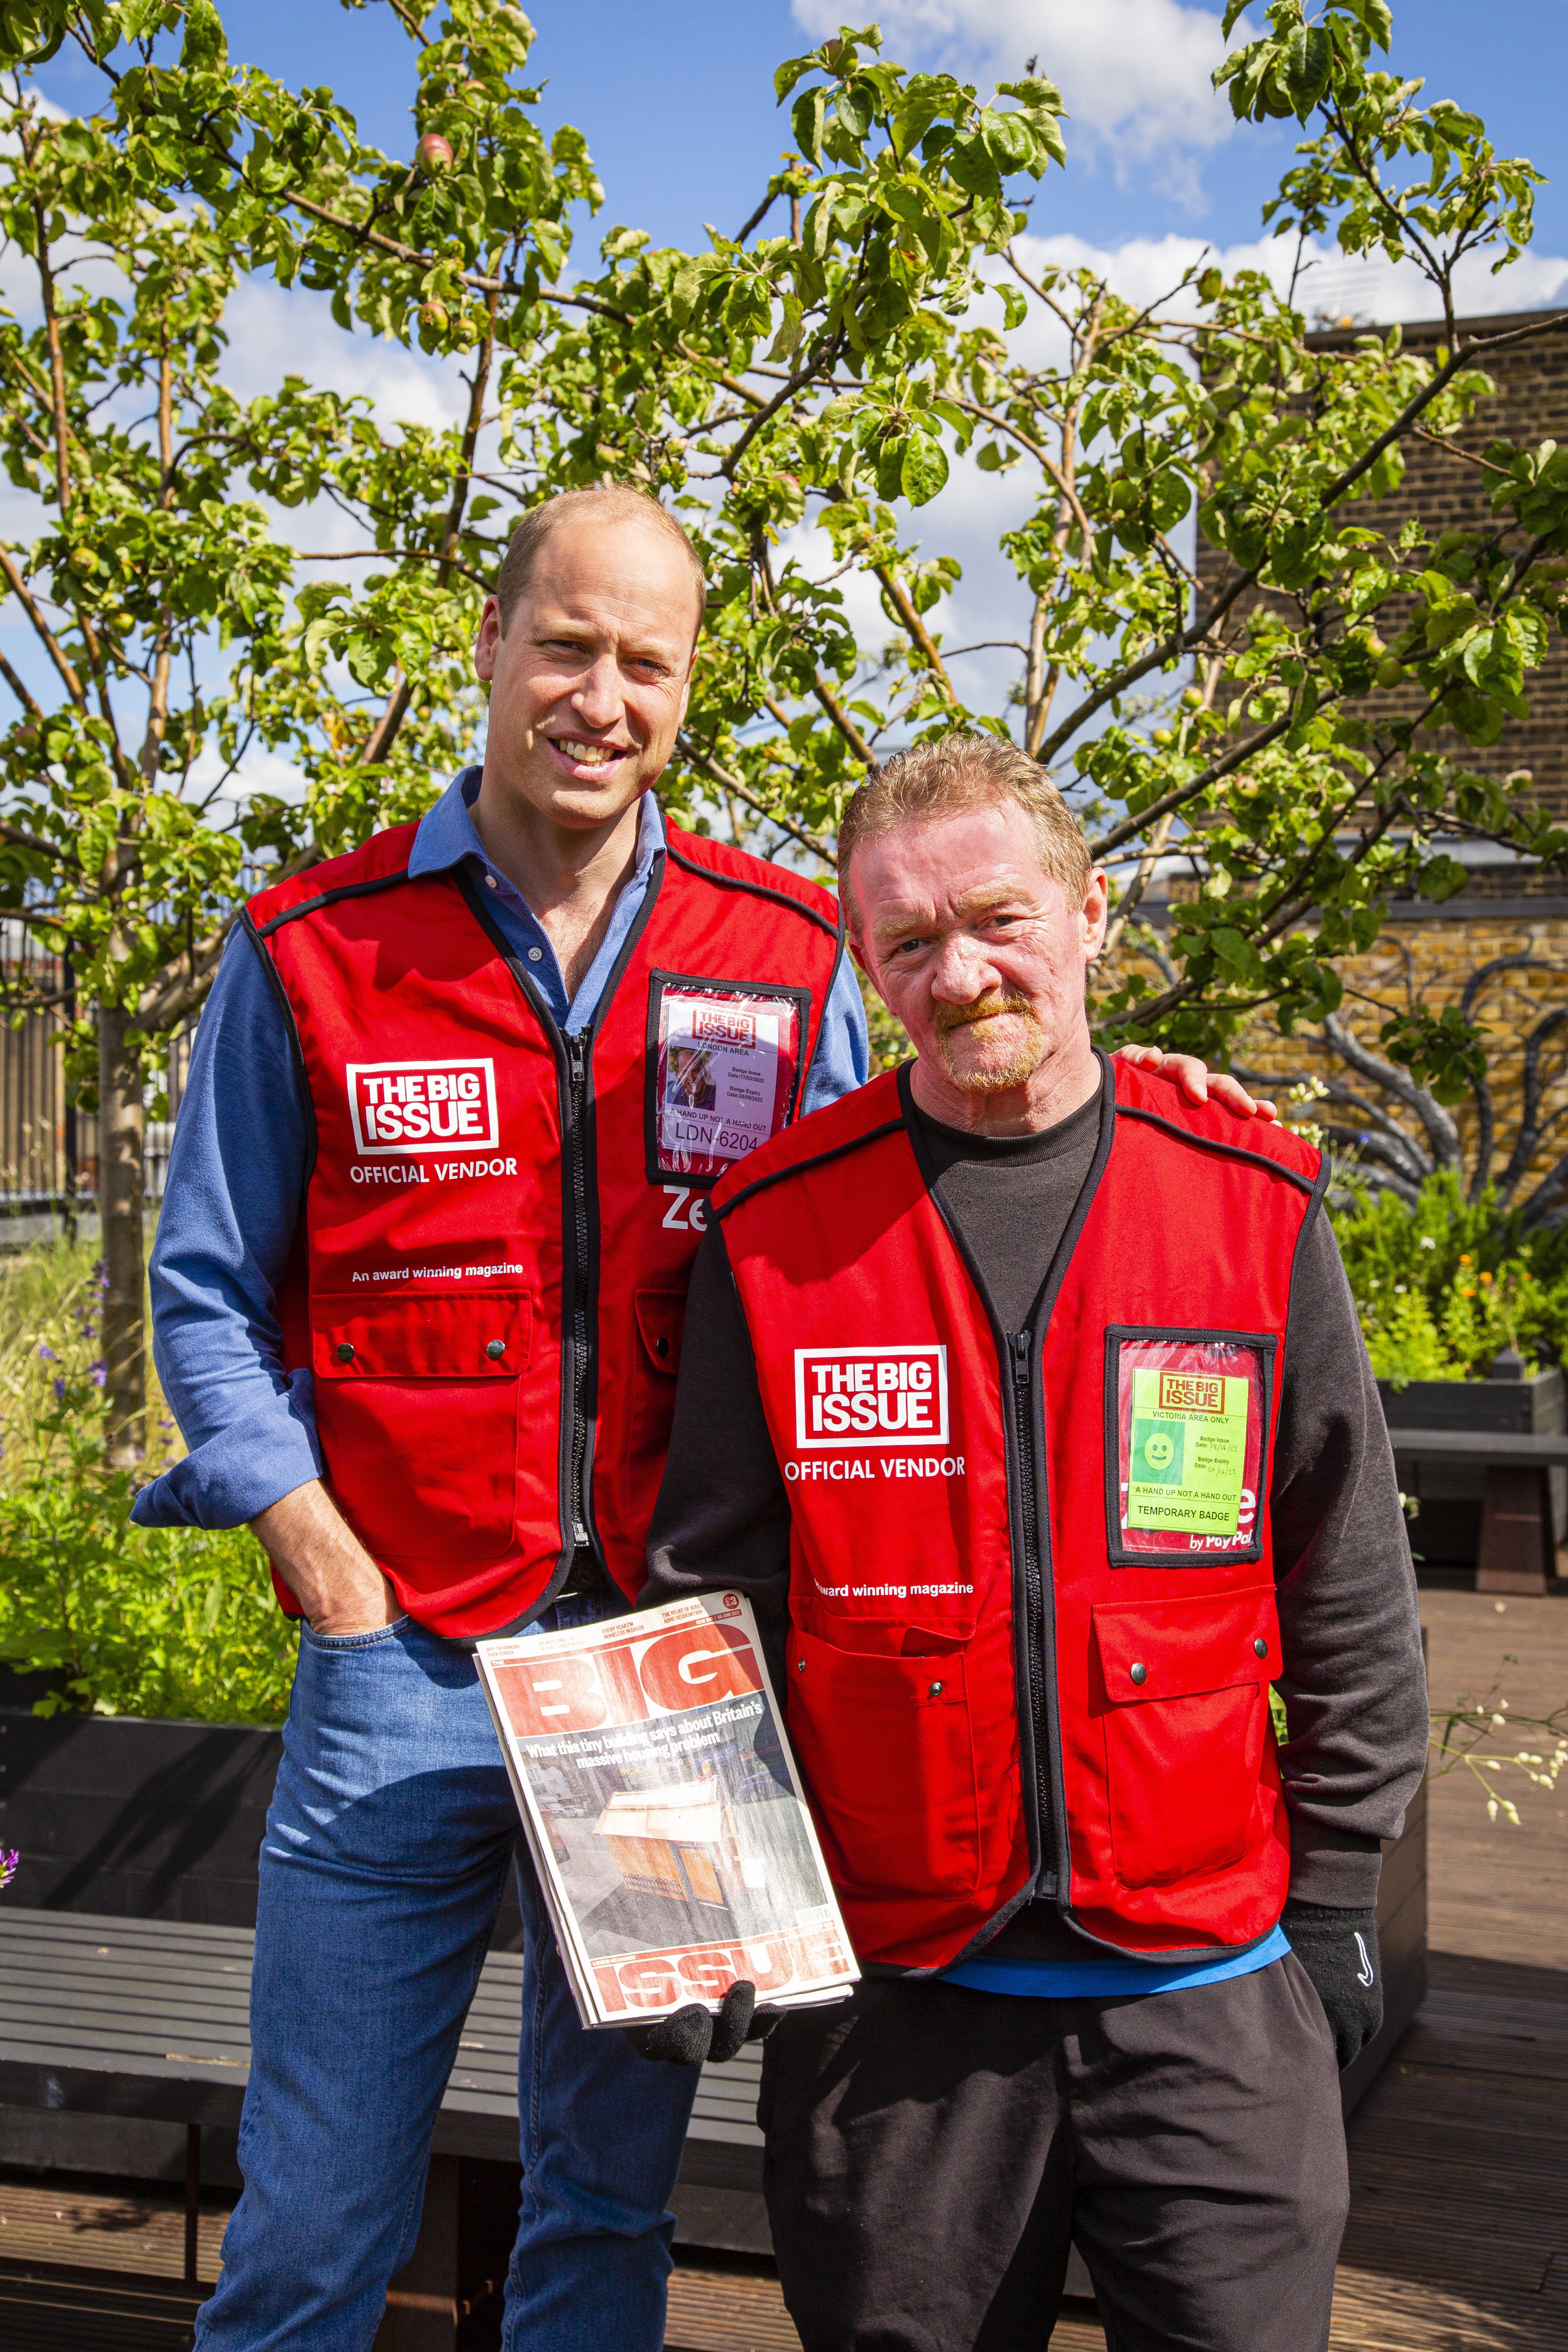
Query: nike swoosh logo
x=1368, y=1975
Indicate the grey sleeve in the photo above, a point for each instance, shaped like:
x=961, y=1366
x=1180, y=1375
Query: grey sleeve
x=1354, y=1682
x=722, y=1516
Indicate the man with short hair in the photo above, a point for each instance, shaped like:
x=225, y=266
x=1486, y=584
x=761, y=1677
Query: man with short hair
x=1029, y=1406
x=417, y=1293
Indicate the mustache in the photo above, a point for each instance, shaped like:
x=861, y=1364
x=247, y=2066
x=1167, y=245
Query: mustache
x=948, y=1017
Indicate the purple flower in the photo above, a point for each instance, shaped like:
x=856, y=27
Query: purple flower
x=46, y=1355
x=59, y=1387
x=98, y=1373
x=9, y=1858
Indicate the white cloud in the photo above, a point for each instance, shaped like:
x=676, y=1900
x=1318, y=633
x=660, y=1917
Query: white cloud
x=273, y=333
x=1135, y=74
x=1375, y=292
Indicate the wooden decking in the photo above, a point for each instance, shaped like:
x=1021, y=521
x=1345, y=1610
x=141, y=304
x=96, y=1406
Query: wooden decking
x=1458, y=2233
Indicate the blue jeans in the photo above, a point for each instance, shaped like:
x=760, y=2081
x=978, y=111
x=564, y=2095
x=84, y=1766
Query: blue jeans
x=387, y=1849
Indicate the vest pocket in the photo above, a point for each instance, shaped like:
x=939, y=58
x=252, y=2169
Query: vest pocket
x=886, y=1749
x=660, y=1317
x=1185, y=1712
x=416, y=1404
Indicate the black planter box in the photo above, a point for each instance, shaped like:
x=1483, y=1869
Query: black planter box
x=1445, y=1532
x=144, y=1818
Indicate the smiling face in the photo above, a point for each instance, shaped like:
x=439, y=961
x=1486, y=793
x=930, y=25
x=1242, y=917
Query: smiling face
x=590, y=678
x=982, y=956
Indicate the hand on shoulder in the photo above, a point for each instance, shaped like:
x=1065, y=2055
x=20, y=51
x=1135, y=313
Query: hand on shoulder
x=1198, y=1082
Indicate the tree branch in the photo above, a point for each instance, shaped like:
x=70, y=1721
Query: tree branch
x=898, y=597
x=72, y=684
x=17, y=839
x=757, y=218
x=1178, y=798
x=34, y=708
x=704, y=762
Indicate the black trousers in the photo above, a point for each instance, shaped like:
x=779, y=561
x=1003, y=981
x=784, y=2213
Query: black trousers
x=933, y=2152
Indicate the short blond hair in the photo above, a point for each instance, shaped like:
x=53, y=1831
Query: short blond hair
x=601, y=502
x=960, y=772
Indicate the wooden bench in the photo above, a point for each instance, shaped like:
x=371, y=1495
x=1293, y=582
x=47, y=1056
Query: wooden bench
x=1517, y=1551
x=104, y=2016
x=150, y=2018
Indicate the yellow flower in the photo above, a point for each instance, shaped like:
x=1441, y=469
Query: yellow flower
x=1464, y=1257
x=1484, y=1278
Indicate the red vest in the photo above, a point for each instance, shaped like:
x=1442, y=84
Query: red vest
x=1032, y=1609
x=488, y=1282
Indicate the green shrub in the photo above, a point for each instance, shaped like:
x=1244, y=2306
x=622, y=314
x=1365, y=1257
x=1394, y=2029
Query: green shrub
x=1440, y=1289
x=130, y=1621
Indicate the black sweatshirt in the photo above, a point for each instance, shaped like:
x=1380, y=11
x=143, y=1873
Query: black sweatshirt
x=1353, y=1684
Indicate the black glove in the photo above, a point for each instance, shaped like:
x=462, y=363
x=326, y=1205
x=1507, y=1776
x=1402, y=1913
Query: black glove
x=1339, y=1951
x=695, y=2037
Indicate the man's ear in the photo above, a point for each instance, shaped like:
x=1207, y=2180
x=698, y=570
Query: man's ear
x=1096, y=914
x=487, y=645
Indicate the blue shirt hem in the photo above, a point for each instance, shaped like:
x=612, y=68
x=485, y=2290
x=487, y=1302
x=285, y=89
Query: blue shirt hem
x=1108, y=1980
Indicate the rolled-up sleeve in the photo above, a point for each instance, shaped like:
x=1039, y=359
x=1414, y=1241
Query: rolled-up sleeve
x=233, y=1197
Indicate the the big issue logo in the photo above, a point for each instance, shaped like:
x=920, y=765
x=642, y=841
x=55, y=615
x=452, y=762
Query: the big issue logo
x=850, y=1399
x=405, y=1111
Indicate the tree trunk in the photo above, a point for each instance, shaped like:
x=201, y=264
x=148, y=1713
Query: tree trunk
x=120, y=1209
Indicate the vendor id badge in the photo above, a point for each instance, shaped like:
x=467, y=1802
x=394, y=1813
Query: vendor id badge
x=1187, y=1417
x=723, y=1072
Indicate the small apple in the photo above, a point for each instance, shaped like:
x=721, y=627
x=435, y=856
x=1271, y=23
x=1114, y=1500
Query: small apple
x=433, y=315
x=433, y=154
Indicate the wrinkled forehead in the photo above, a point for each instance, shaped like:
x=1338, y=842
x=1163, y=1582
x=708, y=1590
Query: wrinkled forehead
x=948, y=870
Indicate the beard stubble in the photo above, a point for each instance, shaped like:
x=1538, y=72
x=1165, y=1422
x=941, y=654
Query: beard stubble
x=996, y=1078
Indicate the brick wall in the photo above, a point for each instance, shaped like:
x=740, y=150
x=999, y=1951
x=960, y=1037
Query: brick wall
x=1449, y=493
x=1429, y=956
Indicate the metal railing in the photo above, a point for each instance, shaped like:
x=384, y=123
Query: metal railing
x=48, y=1149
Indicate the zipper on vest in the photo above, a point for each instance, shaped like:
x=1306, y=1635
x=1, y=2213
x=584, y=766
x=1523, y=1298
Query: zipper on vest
x=577, y=1162
x=1020, y=1347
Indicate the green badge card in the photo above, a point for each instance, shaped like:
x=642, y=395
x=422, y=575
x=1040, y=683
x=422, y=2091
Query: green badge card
x=1188, y=1449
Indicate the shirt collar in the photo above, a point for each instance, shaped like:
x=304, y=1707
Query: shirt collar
x=446, y=833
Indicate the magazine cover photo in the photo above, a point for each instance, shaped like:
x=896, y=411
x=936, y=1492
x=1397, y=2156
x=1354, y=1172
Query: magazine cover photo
x=670, y=1827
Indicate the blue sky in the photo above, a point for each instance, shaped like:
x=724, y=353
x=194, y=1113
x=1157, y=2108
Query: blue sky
x=677, y=100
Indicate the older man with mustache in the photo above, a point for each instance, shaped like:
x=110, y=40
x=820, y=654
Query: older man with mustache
x=1030, y=1406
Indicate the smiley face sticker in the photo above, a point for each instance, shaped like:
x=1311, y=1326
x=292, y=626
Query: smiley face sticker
x=1184, y=1441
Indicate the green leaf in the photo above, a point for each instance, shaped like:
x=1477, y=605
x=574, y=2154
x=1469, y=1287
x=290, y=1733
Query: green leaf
x=924, y=469
x=806, y=116
x=1378, y=19
x=787, y=75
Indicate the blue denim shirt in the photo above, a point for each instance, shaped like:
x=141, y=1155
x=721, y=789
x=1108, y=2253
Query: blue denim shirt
x=235, y=1189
